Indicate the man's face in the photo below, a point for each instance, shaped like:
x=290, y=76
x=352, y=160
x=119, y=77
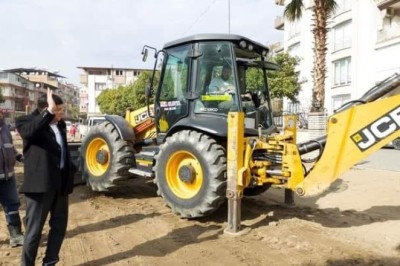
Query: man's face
x=226, y=73
x=59, y=113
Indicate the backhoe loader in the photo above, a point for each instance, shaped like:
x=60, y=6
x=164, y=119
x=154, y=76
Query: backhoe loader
x=192, y=138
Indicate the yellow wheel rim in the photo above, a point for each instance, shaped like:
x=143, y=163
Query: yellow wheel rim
x=97, y=157
x=182, y=187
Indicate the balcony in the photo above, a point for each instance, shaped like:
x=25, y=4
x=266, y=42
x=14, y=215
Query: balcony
x=83, y=79
x=279, y=23
x=280, y=2
x=383, y=4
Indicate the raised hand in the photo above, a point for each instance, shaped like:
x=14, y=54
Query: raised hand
x=50, y=102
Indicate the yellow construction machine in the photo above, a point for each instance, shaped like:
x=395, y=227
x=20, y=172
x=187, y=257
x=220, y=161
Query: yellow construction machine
x=202, y=145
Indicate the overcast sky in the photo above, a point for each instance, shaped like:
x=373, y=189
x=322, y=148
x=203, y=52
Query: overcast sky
x=63, y=34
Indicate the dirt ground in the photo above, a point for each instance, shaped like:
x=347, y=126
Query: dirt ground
x=356, y=223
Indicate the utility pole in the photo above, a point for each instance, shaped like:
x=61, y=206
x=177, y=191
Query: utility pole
x=229, y=16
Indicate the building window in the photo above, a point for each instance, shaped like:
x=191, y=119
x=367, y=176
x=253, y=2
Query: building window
x=119, y=72
x=294, y=50
x=294, y=29
x=343, y=6
x=342, y=75
x=339, y=100
x=342, y=36
x=293, y=107
x=99, y=86
x=95, y=72
x=390, y=28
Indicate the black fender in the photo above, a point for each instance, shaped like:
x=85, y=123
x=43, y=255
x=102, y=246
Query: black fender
x=216, y=126
x=125, y=130
x=211, y=125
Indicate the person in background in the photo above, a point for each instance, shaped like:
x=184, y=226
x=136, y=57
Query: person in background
x=72, y=132
x=48, y=177
x=8, y=188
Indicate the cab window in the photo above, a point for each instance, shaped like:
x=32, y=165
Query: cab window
x=216, y=82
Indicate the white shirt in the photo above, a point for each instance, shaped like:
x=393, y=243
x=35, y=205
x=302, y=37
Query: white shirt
x=219, y=85
x=60, y=142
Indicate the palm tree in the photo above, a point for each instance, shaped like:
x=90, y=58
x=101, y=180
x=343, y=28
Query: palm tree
x=322, y=10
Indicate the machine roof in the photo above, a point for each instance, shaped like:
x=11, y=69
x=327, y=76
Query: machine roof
x=213, y=37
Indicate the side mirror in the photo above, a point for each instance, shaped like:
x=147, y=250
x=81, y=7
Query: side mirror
x=144, y=53
x=148, y=92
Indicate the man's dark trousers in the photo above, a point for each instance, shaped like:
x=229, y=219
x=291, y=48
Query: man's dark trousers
x=57, y=205
x=10, y=201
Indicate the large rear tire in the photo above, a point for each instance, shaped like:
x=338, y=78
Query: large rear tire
x=107, y=158
x=190, y=174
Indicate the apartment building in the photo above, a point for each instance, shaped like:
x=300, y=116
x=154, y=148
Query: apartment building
x=32, y=82
x=363, y=44
x=18, y=94
x=96, y=79
x=70, y=94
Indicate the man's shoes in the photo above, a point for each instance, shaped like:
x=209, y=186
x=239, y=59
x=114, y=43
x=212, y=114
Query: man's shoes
x=16, y=236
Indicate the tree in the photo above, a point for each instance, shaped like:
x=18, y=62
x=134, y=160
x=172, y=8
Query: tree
x=1, y=95
x=73, y=112
x=116, y=101
x=282, y=83
x=322, y=10
x=285, y=81
x=107, y=101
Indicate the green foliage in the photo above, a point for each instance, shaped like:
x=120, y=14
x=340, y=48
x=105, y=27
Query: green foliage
x=285, y=81
x=168, y=85
x=322, y=10
x=293, y=10
x=282, y=83
x=254, y=79
x=116, y=101
x=1, y=95
x=73, y=112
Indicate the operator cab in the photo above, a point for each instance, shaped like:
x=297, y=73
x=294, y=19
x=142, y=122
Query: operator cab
x=204, y=77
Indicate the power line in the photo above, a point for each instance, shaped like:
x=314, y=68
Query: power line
x=200, y=16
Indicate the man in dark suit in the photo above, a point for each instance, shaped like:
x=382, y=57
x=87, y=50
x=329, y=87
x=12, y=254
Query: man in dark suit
x=48, y=177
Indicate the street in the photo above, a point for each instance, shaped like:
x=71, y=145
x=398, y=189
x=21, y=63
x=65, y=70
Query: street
x=355, y=222
x=384, y=159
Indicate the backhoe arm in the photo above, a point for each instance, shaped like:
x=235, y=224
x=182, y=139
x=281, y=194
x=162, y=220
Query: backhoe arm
x=352, y=135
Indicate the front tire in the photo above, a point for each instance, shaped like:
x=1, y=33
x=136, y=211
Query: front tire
x=190, y=174
x=107, y=157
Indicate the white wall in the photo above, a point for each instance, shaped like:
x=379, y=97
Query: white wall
x=371, y=61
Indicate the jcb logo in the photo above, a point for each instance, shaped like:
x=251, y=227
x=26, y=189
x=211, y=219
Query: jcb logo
x=141, y=117
x=377, y=130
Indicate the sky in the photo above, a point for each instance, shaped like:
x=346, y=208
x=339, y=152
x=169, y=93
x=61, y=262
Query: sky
x=60, y=35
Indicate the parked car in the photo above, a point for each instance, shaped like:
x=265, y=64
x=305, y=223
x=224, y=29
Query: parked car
x=83, y=128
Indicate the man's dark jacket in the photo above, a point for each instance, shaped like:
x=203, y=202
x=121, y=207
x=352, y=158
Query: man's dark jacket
x=42, y=155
